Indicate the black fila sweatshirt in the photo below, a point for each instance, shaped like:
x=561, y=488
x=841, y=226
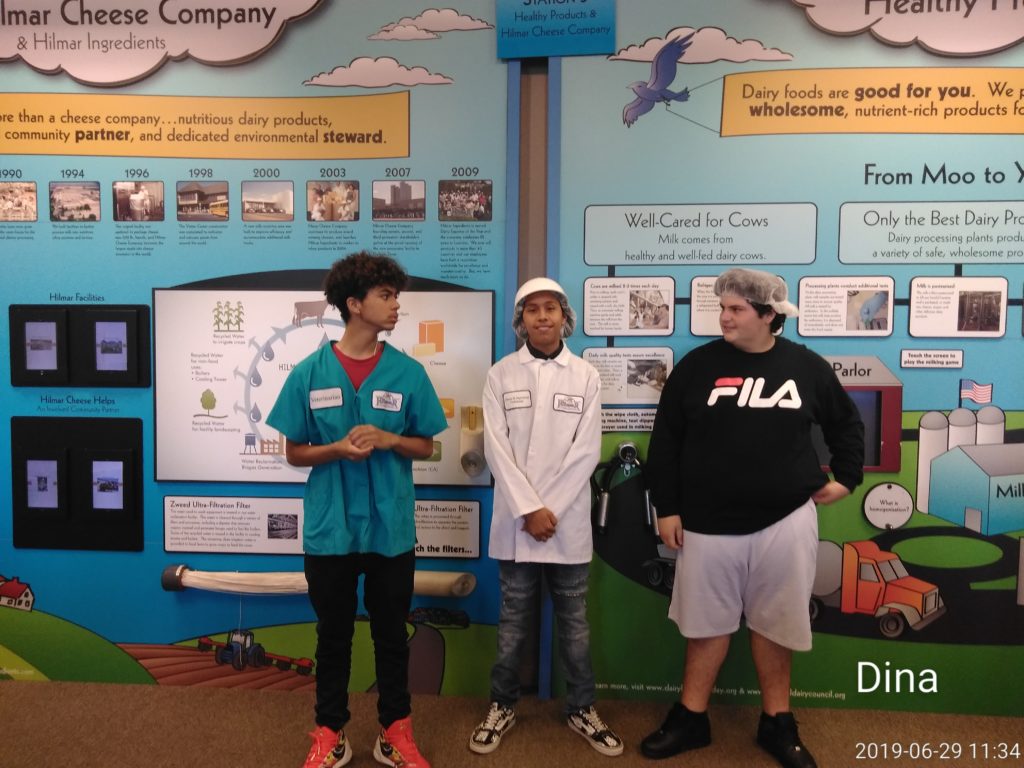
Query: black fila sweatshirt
x=731, y=450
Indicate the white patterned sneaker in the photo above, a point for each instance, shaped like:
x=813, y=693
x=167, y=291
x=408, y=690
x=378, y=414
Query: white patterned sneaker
x=487, y=736
x=588, y=724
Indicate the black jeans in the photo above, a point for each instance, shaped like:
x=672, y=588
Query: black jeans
x=387, y=594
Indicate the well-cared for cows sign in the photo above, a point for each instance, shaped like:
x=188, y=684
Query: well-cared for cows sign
x=222, y=357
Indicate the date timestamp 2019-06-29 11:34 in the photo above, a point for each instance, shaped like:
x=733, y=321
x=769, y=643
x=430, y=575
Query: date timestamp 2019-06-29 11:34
x=947, y=751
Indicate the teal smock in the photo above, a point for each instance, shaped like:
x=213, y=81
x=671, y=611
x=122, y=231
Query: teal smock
x=358, y=506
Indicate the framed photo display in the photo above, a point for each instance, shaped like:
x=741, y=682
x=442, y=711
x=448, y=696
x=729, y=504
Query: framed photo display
x=39, y=346
x=77, y=483
x=105, y=347
x=80, y=346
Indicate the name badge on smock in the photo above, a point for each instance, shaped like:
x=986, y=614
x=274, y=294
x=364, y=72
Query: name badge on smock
x=325, y=398
x=387, y=401
x=568, y=403
x=521, y=398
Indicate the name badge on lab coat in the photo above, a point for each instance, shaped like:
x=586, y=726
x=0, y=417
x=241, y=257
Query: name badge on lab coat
x=568, y=403
x=521, y=398
x=387, y=401
x=325, y=398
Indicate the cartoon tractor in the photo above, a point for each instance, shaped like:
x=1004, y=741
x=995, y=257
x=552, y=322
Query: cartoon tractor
x=241, y=650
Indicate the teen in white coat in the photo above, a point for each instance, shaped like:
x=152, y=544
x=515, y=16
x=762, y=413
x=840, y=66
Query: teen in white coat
x=542, y=440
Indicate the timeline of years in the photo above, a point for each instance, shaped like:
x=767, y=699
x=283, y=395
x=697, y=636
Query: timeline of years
x=466, y=171
x=457, y=171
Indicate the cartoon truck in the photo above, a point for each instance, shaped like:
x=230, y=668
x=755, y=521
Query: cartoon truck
x=861, y=578
x=242, y=650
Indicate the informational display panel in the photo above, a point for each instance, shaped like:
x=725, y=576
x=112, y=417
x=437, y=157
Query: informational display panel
x=224, y=355
x=236, y=525
x=152, y=146
x=867, y=153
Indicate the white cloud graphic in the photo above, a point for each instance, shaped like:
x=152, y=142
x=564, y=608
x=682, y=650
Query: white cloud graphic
x=228, y=33
x=967, y=29
x=444, y=20
x=365, y=72
x=709, y=44
x=403, y=32
x=429, y=24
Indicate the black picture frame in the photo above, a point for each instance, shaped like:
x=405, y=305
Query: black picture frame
x=88, y=452
x=104, y=347
x=110, y=482
x=38, y=345
x=80, y=346
x=40, y=481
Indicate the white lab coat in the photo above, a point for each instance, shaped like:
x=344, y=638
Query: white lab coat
x=542, y=439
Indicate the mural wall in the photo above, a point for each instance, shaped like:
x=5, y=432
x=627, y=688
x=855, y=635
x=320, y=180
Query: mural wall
x=175, y=179
x=869, y=154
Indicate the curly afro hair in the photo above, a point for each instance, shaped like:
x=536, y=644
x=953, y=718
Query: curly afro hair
x=356, y=274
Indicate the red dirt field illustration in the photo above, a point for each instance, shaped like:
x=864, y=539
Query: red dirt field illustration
x=185, y=665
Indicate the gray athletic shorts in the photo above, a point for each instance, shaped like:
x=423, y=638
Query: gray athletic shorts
x=766, y=576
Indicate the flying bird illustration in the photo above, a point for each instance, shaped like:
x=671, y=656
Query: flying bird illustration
x=663, y=72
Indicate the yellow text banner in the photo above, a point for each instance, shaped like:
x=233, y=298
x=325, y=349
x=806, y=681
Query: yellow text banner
x=316, y=128
x=910, y=100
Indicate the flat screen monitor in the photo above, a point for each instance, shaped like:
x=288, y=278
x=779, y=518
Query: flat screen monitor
x=880, y=409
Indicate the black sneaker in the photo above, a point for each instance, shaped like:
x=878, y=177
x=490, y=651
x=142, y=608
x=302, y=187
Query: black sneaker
x=778, y=737
x=682, y=730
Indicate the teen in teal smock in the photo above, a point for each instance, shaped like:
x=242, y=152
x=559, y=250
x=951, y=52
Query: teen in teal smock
x=358, y=506
x=358, y=413
x=359, y=521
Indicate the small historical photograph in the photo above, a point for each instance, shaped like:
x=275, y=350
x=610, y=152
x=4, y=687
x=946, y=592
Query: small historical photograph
x=18, y=201
x=111, y=346
x=74, y=201
x=399, y=200
x=108, y=485
x=867, y=310
x=41, y=346
x=979, y=311
x=464, y=200
x=649, y=309
x=645, y=378
x=138, y=201
x=202, y=200
x=332, y=200
x=282, y=526
x=42, y=484
x=268, y=201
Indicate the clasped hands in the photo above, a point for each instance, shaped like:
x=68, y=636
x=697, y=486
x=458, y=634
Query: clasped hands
x=540, y=524
x=362, y=440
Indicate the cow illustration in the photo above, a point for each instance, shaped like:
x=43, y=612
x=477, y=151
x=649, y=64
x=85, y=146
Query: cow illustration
x=304, y=309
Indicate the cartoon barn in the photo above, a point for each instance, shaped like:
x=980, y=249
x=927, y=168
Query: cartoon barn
x=16, y=594
x=980, y=487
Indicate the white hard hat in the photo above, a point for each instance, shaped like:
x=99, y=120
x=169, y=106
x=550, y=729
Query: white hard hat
x=540, y=285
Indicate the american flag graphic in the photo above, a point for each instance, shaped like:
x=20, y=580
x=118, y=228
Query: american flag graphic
x=972, y=390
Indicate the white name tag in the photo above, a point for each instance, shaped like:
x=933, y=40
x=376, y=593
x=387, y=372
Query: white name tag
x=521, y=398
x=568, y=403
x=325, y=398
x=387, y=401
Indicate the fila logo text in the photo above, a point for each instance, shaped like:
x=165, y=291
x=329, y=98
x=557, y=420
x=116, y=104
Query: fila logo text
x=749, y=393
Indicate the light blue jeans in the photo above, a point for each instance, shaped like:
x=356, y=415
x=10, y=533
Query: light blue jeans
x=520, y=587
